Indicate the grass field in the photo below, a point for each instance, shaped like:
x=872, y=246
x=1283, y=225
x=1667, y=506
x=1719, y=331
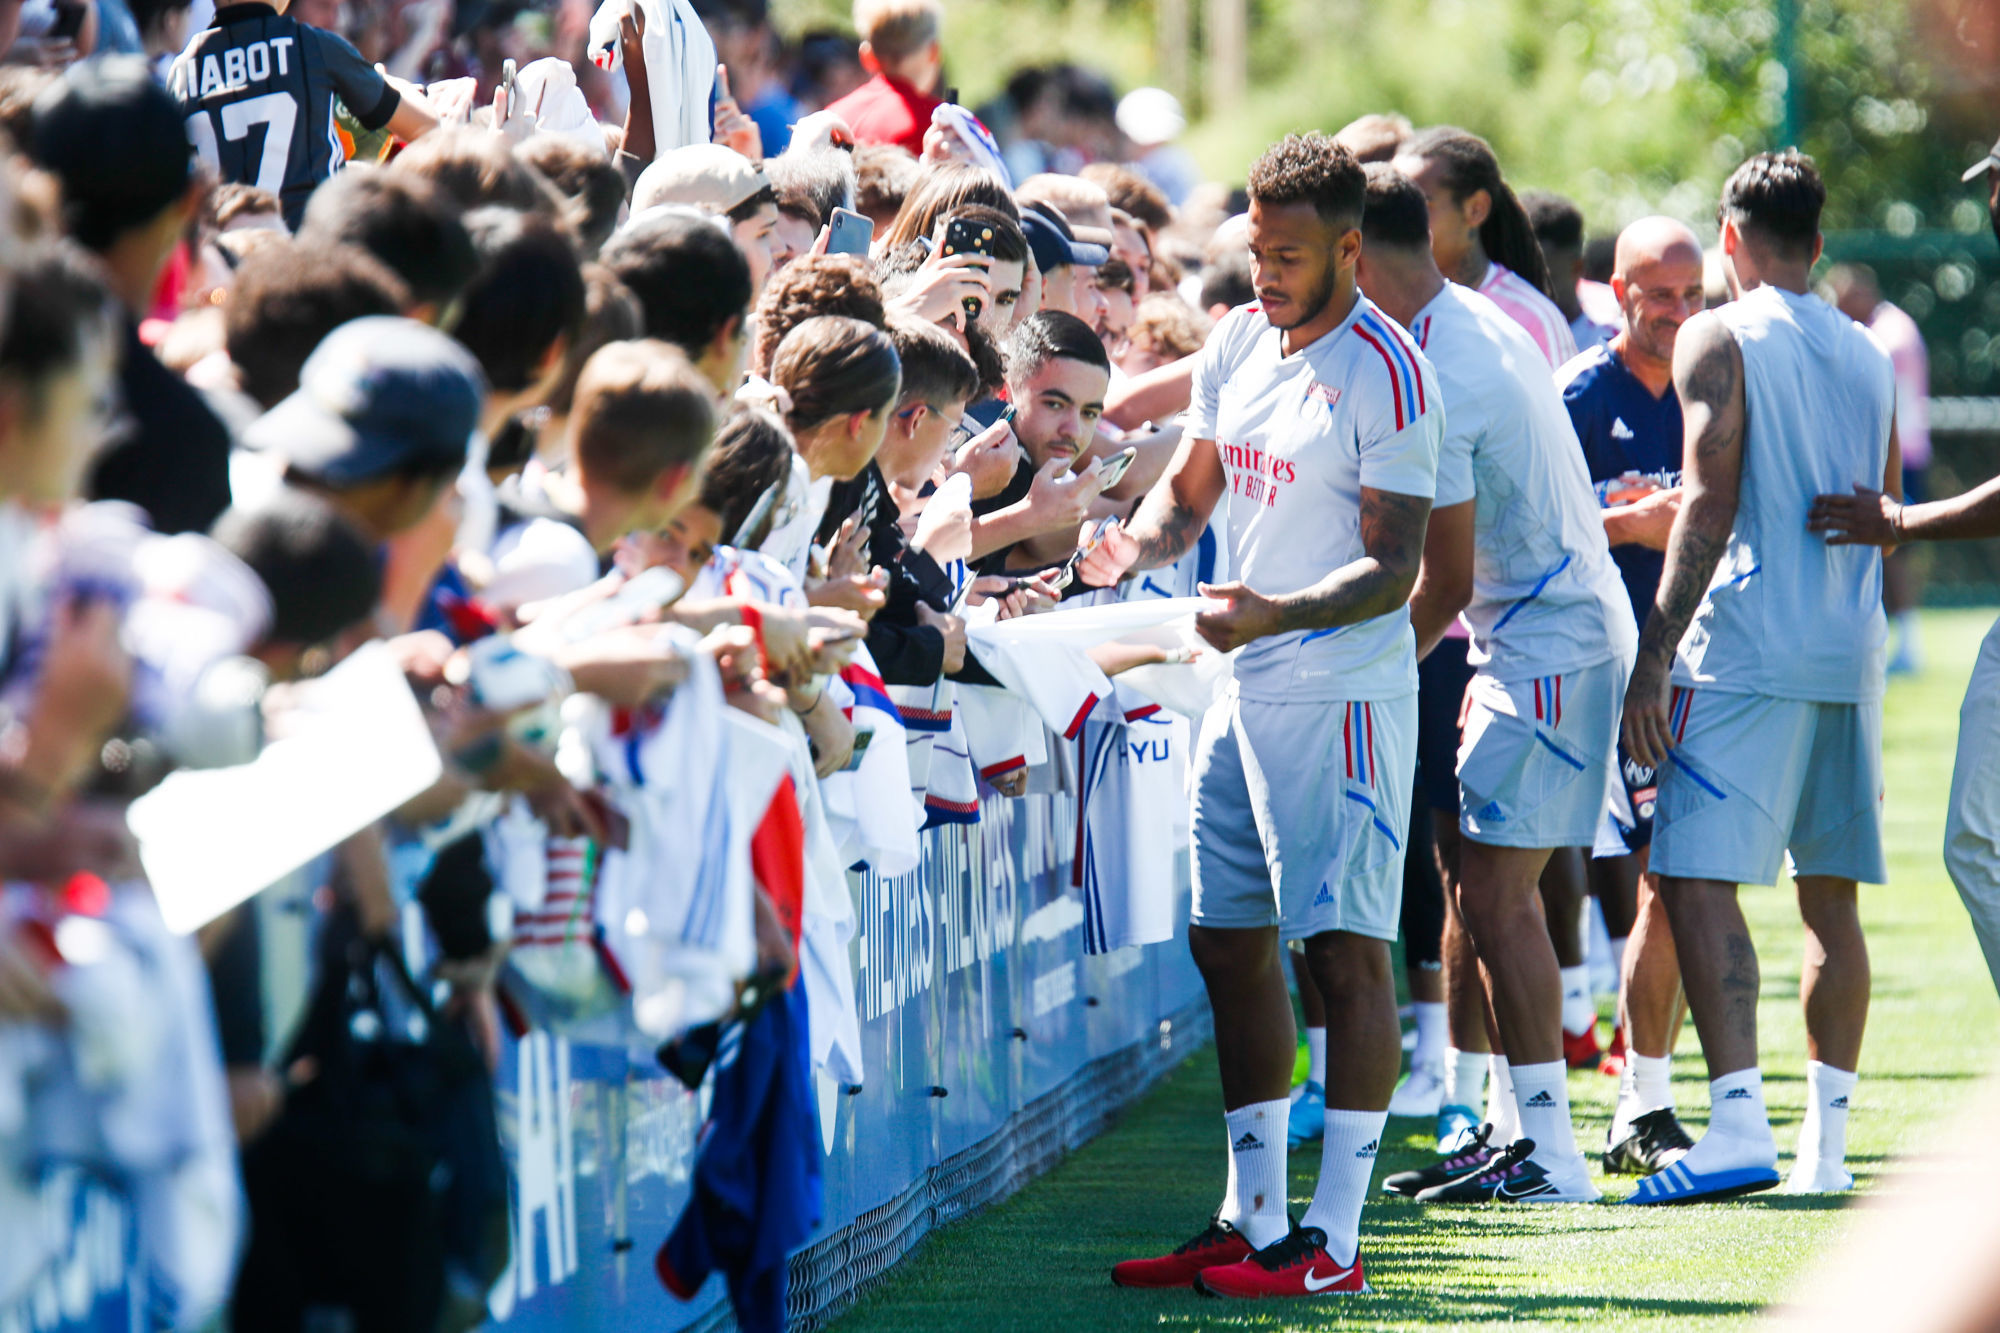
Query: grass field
x=1040, y=1260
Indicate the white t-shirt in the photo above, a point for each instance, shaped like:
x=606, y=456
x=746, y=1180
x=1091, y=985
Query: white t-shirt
x=1787, y=614
x=1300, y=436
x=1546, y=597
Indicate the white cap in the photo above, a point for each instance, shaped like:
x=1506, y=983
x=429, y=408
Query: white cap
x=1149, y=116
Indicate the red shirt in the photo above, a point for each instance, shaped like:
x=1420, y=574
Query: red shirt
x=885, y=110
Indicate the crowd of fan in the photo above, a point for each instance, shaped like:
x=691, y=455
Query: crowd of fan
x=569, y=414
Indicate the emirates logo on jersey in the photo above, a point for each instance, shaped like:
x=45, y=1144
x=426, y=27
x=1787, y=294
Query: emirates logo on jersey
x=1326, y=393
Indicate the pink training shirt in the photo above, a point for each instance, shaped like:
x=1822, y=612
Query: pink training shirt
x=1526, y=306
x=1898, y=334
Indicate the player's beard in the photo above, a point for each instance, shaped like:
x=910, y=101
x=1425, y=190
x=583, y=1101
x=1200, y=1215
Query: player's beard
x=1315, y=303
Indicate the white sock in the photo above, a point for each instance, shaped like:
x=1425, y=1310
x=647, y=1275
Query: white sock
x=1823, y=1133
x=1464, y=1076
x=1433, y=1038
x=1739, y=1129
x=1254, y=1202
x=1542, y=1094
x=1346, y=1162
x=1500, y=1111
x=1316, y=1056
x=1618, y=944
x=1579, y=1013
x=1644, y=1087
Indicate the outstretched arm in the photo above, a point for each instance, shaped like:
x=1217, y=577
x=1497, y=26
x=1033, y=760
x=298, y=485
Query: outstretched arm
x=1169, y=520
x=1708, y=376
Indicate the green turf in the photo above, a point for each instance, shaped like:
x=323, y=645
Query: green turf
x=1039, y=1260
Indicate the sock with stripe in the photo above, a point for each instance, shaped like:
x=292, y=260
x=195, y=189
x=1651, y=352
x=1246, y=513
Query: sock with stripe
x=1542, y=1094
x=1254, y=1202
x=1739, y=1129
x=1346, y=1162
x=1822, y=1153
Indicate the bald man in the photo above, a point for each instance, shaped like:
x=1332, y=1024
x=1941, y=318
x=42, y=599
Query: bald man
x=1621, y=399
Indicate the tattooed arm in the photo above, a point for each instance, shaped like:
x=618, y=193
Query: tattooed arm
x=1708, y=376
x=1392, y=541
x=1169, y=520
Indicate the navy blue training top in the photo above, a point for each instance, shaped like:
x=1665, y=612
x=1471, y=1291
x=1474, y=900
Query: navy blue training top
x=1623, y=428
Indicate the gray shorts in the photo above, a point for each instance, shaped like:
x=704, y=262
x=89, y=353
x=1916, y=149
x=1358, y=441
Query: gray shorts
x=1300, y=813
x=1751, y=777
x=1539, y=758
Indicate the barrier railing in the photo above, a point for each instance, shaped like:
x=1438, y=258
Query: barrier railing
x=992, y=1046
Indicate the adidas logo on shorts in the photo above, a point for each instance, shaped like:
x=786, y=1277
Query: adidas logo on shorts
x=1247, y=1142
x=1374, y=1146
x=1838, y=1104
x=1492, y=813
x=1736, y=1094
x=1325, y=896
x=1541, y=1098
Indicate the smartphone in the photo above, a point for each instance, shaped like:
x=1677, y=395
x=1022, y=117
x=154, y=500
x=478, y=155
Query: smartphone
x=862, y=740
x=851, y=233
x=962, y=236
x=1113, y=469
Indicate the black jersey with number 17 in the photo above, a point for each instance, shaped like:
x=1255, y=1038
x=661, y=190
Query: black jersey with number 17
x=258, y=90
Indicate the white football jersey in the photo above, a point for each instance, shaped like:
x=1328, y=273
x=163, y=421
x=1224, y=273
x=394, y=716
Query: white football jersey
x=1300, y=436
x=1546, y=597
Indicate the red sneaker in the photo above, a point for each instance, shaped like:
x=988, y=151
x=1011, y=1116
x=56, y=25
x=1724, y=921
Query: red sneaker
x=1613, y=1065
x=1298, y=1265
x=1580, y=1048
x=1219, y=1244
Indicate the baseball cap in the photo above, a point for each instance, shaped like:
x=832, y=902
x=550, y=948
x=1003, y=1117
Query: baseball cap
x=380, y=394
x=1150, y=116
x=706, y=175
x=1984, y=164
x=1053, y=242
x=116, y=140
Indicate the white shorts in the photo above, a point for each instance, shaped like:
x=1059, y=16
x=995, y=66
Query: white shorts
x=1751, y=777
x=1300, y=814
x=1539, y=757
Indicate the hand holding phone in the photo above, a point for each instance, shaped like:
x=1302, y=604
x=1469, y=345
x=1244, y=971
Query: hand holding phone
x=849, y=233
x=1113, y=469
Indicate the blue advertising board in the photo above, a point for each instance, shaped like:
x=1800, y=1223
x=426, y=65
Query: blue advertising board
x=992, y=1044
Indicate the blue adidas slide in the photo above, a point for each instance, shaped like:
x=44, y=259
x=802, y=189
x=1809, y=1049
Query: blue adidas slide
x=1677, y=1184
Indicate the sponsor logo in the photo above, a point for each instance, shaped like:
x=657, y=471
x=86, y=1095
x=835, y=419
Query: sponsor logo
x=1736, y=1094
x=1325, y=896
x=1619, y=430
x=1374, y=1146
x=1326, y=393
x=1541, y=1098
x=1314, y=1282
x=1838, y=1104
x=1491, y=813
x=1247, y=1142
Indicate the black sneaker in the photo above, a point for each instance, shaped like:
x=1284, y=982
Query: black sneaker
x=1656, y=1141
x=1512, y=1177
x=1472, y=1157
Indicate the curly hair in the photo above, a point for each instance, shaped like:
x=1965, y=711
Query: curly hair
x=1778, y=196
x=809, y=286
x=1311, y=169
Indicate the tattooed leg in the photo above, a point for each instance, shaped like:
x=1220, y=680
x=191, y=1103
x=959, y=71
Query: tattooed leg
x=1718, y=969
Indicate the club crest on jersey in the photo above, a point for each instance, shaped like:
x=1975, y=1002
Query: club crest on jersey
x=1325, y=393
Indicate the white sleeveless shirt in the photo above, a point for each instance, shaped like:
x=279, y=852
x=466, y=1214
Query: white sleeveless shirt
x=1786, y=614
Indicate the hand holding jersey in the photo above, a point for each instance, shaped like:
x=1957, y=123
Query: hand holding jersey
x=1319, y=420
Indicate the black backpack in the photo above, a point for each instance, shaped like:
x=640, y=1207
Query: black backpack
x=378, y=1198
